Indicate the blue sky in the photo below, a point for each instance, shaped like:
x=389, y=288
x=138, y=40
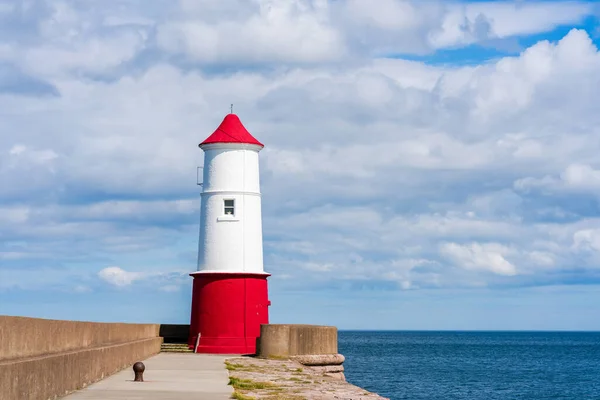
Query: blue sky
x=428, y=165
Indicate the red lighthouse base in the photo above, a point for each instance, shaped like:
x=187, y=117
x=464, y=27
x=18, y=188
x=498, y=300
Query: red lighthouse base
x=227, y=311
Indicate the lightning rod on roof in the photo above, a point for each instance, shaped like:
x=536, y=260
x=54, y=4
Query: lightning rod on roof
x=231, y=109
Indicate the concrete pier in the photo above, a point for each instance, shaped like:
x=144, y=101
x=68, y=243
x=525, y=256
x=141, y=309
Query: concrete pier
x=167, y=376
x=46, y=359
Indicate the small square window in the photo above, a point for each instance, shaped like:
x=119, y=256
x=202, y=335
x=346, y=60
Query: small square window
x=229, y=206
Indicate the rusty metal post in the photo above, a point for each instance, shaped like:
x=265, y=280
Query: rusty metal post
x=139, y=369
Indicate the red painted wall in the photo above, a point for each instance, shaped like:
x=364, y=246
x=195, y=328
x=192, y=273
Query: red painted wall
x=228, y=309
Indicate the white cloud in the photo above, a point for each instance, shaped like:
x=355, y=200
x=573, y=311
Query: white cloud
x=318, y=267
x=165, y=279
x=587, y=239
x=574, y=178
x=117, y=276
x=373, y=167
x=17, y=149
x=464, y=24
x=390, y=15
x=131, y=210
x=94, y=55
x=542, y=258
x=25, y=154
x=487, y=257
x=519, y=18
x=312, y=31
x=278, y=31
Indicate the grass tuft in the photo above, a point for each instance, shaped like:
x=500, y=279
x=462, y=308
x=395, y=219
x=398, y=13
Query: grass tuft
x=275, y=357
x=242, y=367
x=247, y=384
x=241, y=396
x=233, y=367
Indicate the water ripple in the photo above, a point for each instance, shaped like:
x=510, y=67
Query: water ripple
x=474, y=365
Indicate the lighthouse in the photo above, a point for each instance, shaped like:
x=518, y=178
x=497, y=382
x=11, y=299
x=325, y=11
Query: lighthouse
x=230, y=297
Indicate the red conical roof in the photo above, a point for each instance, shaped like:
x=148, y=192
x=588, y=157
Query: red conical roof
x=231, y=130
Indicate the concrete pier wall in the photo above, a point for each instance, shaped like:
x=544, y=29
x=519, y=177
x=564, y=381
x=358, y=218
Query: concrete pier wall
x=281, y=340
x=47, y=359
x=314, y=346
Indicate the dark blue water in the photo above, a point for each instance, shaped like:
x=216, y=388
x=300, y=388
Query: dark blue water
x=474, y=365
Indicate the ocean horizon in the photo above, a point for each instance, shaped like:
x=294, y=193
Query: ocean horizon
x=510, y=364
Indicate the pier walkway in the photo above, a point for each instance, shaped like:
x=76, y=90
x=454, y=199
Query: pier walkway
x=167, y=376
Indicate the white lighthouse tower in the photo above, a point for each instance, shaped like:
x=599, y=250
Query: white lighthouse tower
x=230, y=296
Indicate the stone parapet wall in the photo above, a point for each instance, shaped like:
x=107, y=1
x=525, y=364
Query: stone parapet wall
x=313, y=346
x=27, y=337
x=279, y=340
x=47, y=359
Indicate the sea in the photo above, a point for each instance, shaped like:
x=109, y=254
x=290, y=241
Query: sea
x=474, y=365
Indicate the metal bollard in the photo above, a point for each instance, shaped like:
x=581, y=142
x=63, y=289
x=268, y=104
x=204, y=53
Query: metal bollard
x=139, y=369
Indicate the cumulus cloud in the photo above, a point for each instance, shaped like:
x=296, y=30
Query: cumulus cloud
x=377, y=171
x=576, y=177
x=318, y=31
x=273, y=31
x=117, y=276
x=469, y=23
x=164, y=279
x=587, y=239
x=486, y=257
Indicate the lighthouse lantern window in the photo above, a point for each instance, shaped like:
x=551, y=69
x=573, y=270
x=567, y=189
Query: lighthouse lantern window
x=229, y=206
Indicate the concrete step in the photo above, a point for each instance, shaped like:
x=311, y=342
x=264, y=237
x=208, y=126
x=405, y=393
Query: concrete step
x=175, y=351
x=175, y=348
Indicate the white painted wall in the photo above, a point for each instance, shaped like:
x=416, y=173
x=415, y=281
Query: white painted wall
x=231, y=244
